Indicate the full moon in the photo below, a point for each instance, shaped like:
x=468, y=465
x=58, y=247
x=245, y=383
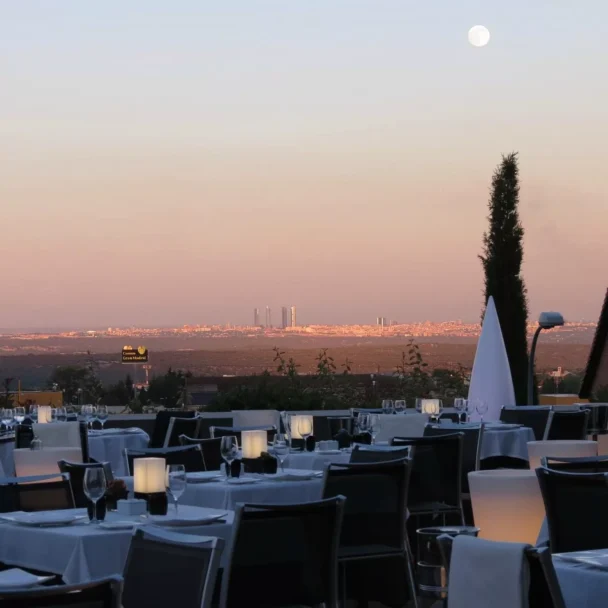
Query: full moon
x=479, y=35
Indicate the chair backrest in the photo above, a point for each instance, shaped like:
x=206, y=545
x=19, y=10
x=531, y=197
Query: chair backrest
x=337, y=423
x=355, y=411
x=376, y=497
x=210, y=448
x=598, y=418
x=576, y=506
x=207, y=422
x=284, y=555
x=104, y=593
x=362, y=455
x=471, y=448
x=535, y=417
x=544, y=590
x=436, y=475
x=165, y=568
x=596, y=464
x=76, y=471
x=567, y=425
x=180, y=426
x=23, y=436
x=225, y=431
x=261, y=418
x=38, y=493
x=190, y=456
x=161, y=424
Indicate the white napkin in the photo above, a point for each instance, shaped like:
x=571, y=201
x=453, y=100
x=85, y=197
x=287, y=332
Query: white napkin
x=488, y=573
x=16, y=578
x=293, y=476
x=185, y=520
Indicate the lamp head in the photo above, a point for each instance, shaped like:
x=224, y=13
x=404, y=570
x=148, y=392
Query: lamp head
x=549, y=320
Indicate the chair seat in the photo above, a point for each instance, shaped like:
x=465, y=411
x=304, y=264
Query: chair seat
x=431, y=507
x=367, y=552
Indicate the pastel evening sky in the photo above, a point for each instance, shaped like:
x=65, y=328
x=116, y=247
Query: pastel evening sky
x=168, y=162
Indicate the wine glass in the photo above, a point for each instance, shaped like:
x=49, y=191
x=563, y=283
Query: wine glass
x=482, y=407
x=439, y=410
x=388, y=406
x=176, y=481
x=400, y=406
x=469, y=408
x=92, y=415
x=304, y=428
x=33, y=412
x=94, y=487
x=19, y=413
x=7, y=417
x=281, y=449
x=60, y=414
x=374, y=426
x=363, y=423
x=460, y=405
x=229, y=449
x=419, y=405
x=102, y=414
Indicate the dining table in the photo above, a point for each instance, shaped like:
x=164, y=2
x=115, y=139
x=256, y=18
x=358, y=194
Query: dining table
x=81, y=551
x=583, y=578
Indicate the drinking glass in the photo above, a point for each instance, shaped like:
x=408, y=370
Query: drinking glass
x=176, y=481
x=460, y=405
x=229, y=449
x=374, y=426
x=94, y=487
x=363, y=423
x=34, y=412
x=7, y=417
x=481, y=407
x=419, y=405
x=439, y=410
x=60, y=413
x=102, y=414
x=470, y=408
x=388, y=406
x=304, y=428
x=92, y=415
x=400, y=406
x=281, y=448
x=19, y=413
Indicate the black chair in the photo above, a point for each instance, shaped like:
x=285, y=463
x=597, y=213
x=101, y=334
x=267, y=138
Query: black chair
x=471, y=449
x=576, y=506
x=451, y=416
x=181, y=426
x=544, y=590
x=37, y=493
x=166, y=568
x=190, y=456
x=360, y=456
x=24, y=435
x=374, y=555
x=535, y=417
x=76, y=471
x=235, y=431
x=161, y=425
x=598, y=419
x=210, y=448
x=206, y=424
x=567, y=424
x=436, y=477
x=594, y=464
x=104, y=593
x=337, y=423
x=284, y=555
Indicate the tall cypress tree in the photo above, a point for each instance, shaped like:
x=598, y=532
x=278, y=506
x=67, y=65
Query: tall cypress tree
x=502, y=258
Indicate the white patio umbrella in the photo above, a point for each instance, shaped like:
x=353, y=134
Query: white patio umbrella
x=491, y=380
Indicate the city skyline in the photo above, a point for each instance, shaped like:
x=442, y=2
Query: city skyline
x=162, y=168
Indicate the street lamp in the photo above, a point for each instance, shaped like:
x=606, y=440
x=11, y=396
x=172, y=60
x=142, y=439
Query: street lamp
x=547, y=320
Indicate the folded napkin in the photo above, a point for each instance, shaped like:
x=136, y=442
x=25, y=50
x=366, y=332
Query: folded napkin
x=293, y=476
x=488, y=573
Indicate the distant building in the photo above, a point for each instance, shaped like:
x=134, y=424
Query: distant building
x=256, y=317
x=381, y=322
x=293, y=316
x=284, y=323
x=268, y=317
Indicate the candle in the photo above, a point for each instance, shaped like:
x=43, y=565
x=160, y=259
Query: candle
x=149, y=475
x=430, y=406
x=44, y=414
x=254, y=443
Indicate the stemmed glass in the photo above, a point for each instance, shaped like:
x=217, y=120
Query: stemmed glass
x=363, y=423
x=305, y=429
x=7, y=417
x=439, y=409
x=61, y=414
x=460, y=405
x=482, y=407
x=19, y=414
x=469, y=408
x=94, y=487
x=229, y=449
x=102, y=414
x=400, y=406
x=34, y=412
x=176, y=482
x=374, y=426
x=419, y=405
x=388, y=406
x=281, y=449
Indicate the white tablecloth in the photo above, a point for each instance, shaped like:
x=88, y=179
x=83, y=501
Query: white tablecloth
x=7, y=467
x=583, y=578
x=83, y=552
x=222, y=495
x=316, y=461
x=109, y=446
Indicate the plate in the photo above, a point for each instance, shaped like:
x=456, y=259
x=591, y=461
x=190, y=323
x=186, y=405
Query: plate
x=203, y=477
x=293, y=476
x=15, y=578
x=44, y=519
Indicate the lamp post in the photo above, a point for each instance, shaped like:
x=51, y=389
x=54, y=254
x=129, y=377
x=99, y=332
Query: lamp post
x=547, y=320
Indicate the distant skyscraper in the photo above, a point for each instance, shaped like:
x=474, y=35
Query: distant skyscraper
x=381, y=321
x=284, y=323
x=268, y=317
x=256, y=317
x=293, y=316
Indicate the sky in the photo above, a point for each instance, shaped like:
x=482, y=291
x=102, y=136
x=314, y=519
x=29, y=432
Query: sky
x=168, y=163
